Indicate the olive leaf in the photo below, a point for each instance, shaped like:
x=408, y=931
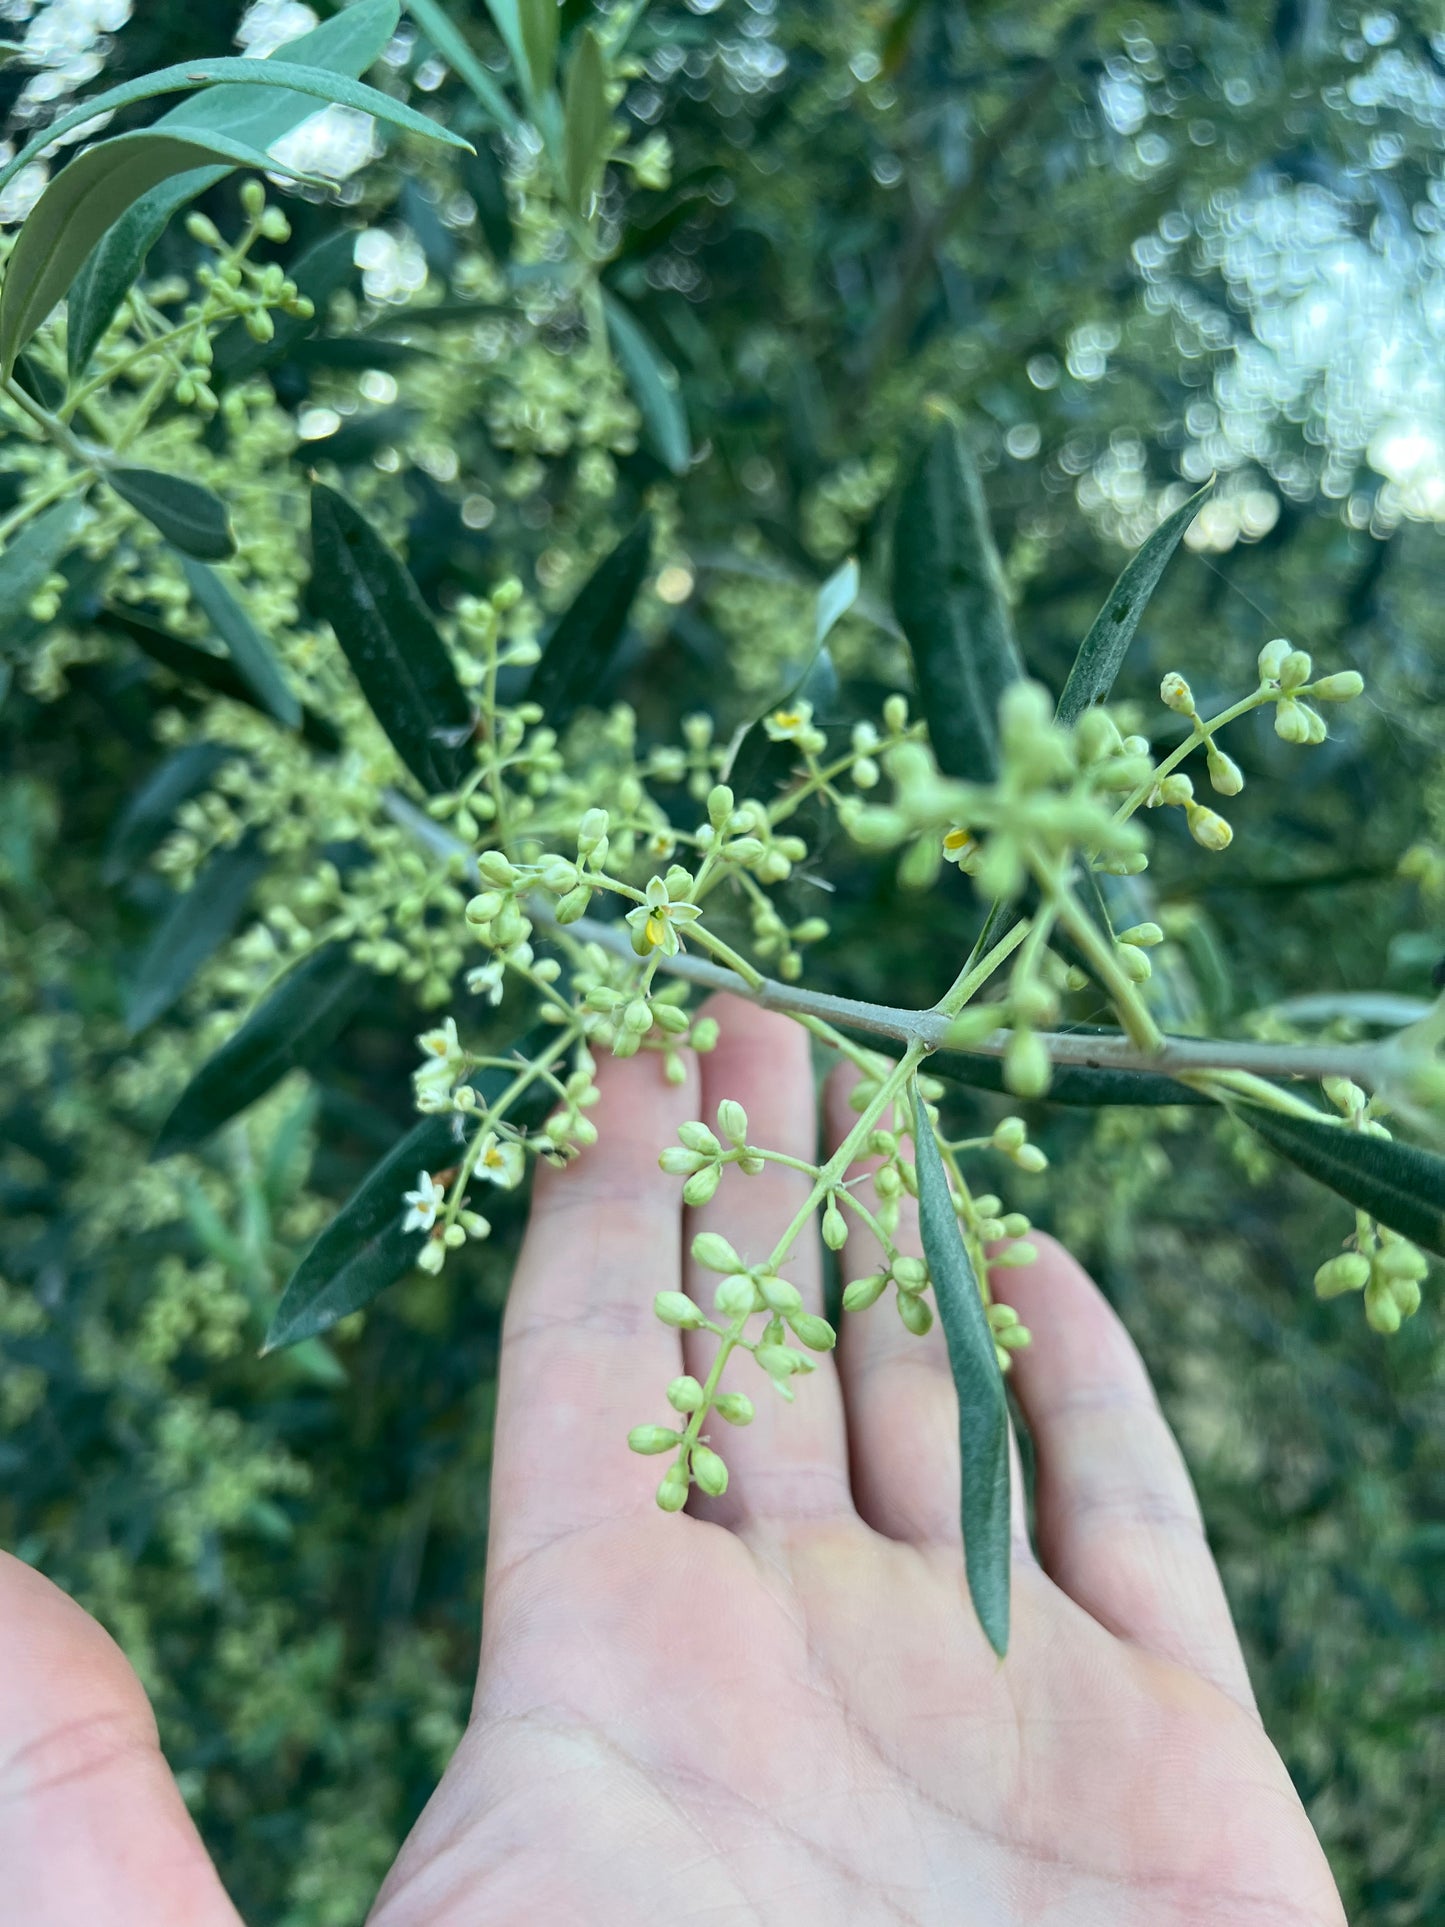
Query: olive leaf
x=586, y=118
x=364, y=1249
x=540, y=25
x=1398, y=1184
x=1073, y=1084
x=347, y=44
x=950, y=598
x=816, y=683
x=82, y=201
x=447, y=40
x=396, y=655
x=146, y=818
x=302, y=1017
x=190, y=517
x=217, y=673
x=983, y=1421
x=196, y=925
x=581, y=648
x=654, y=385
x=34, y=554
x=244, y=642
x=188, y=75
x=1102, y=652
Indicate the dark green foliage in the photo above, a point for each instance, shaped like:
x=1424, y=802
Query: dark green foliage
x=983, y=1420
x=371, y=602
x=193, y=929
x=246, y=646
x=949, y=595
x=580, y=651
x=1400, y=1184
x=293, y=1027
x=190, y=517
x=655, y=387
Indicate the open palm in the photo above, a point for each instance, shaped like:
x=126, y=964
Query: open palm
x=780, y=1710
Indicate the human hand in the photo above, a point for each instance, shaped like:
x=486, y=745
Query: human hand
x=781, y=1709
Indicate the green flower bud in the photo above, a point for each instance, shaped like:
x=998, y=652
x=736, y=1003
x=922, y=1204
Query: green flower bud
x=1209, y=830
x=679, y=1162
x=1347, y=1272
x=971, y=1026
x=677, y=1309
x=494, y=868
x=591, y=830
x=1009, y=1133
x=685, y=1394
x=735, y=1407
x=886, y=1181
x=1295, y=670
x=1291, y=721
x=719, y=805
x=1012, y=1256
x=573, y=905
x=1398, y=1258
x=1134, y=964
x=669, y=1018
x=736, y=1295
x=1015, y=1225
x=1176, y=790
x=702, y=1184
x=1271, y=659
x=1225, y=776
x=911, y=1273
x=835, y=1228
x=1033, y=1003
x=709, y=1471
x=1382, y=1314
x=484, y=907
x=637, y=1017
x=1026, y=1067
x=814, y=1332
x=203, y=230
x=780, y=1361
x=649, y=1439
x=864, y=1292
x=732, y=1121
x=1176, y=694
x=672, y=1493
x=1028, y=1157
x=697, y=1137
x=625, y=1044
x=1406, y=1294
x=779, y=1294
x=704, y=1035
x=916, y=1313
x=1340, y=688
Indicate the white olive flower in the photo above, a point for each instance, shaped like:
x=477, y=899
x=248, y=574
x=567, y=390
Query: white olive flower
x=487, y=979
x=790, y=725
x=443, y=1060
x=960, y=846
x=500, y=1161
x=653, y=920
x=427, y=1199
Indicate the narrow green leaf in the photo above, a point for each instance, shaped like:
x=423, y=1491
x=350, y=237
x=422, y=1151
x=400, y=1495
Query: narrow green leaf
x=507, y=17
x=144, y=821
x=216, y=673
x=346, y=44
x=195, y=926
x=248, y=649
x=586, y=119
x=1102, y=652
x=364, y=1249
x=382, y=625
x=35, y=553
x=288, y=1030
x=949, y=595
x=189, y=75
x=82, y=201
x=835, y=599
x=581, y=648
x=540, y=25
x=1398, y=1184
x=654, y=384
x=190, y=517
x=448, y=42
x=1074, y=1084
x=983, y=1421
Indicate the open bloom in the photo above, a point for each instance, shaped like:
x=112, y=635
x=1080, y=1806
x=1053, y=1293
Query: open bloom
x=500, y=1161
x=425, y=1202
x=960, y=846
x=488, y=979
x=443, y=1061
x=654, y=919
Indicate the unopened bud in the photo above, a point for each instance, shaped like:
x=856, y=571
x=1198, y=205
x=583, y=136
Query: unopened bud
x=1295, y=670
x=672, y=1493
x=1349, y=1272
x=835, y=1228
x=697, y=1137
x=814, y=1332
x=1026, y=1066
x=649, y=1439
x=916, y=1313
x=736, y=1295
x=1225, y=776
x=1271, y=658
x=864, y=1292
x=719, y=805
x=732, y=1121
x=702, y=1185
x=779, y=1294
x=677, y=1309
x=1341, y=688
x=709, y=1471
x=1176, y=694
x=735, y=1407
x=685, y=1394
x=1208, y=828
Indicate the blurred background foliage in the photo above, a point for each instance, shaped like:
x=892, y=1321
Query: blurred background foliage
x=1134, y=244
